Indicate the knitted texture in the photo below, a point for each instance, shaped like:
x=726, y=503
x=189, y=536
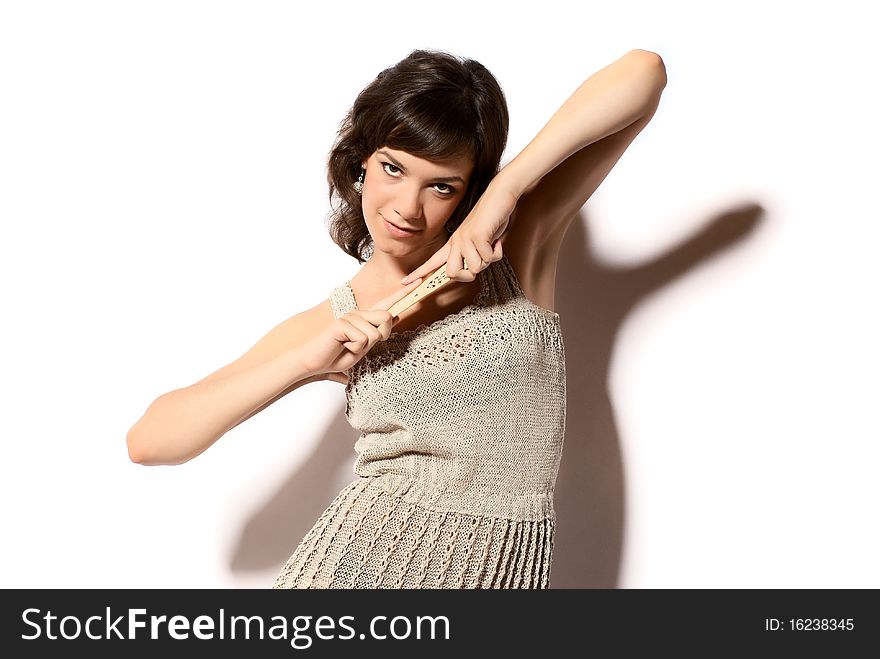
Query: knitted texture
x=462, y=423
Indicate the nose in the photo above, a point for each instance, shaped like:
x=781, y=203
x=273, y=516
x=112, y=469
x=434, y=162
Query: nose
x=408, y=204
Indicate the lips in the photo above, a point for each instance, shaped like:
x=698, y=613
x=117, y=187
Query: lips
x=402, y=228
x=410, y=229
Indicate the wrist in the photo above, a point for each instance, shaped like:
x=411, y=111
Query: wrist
x=297, y=365
x=513, y=180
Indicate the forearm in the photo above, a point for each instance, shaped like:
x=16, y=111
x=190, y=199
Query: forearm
x=609, y=100
x=183, y=423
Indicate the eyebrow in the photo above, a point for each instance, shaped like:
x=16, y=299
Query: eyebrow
x=444, y=179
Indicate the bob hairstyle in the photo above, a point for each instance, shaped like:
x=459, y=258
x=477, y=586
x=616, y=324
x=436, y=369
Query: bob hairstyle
x=431, y=104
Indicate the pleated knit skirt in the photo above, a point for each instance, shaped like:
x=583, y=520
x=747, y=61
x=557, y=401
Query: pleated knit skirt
x=370, y=538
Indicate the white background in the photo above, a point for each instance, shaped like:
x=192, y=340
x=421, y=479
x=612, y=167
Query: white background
x=163, y=204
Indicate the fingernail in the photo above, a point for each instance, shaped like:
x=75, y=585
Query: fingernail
x=405, y=280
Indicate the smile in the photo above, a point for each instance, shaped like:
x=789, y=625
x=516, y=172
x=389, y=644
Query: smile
x=395, y=230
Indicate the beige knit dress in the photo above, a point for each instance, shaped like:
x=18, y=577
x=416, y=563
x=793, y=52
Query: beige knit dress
x=462, y=423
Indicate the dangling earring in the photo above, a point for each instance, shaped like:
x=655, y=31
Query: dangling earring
x=359, y=184
x=449, y=229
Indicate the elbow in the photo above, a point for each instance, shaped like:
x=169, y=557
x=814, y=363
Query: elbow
x=647, y=55
x=135, y=450
x=654, y=63
x=155, y=440
x=139, y=450
x=142, y=441
x=137, y=442
x=139, y=453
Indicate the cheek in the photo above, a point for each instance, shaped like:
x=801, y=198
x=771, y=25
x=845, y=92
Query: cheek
x=449, y=210
x=440, y=212
x=368, y=201
x=372, y=195
x=371, y=206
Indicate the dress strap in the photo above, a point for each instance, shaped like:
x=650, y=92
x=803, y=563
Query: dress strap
x=503, y=283
x=342, y=300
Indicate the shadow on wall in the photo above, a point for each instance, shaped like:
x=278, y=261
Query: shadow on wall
x=593, y=300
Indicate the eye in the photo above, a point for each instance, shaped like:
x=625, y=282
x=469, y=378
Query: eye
x=388, y=164
x=394, y=170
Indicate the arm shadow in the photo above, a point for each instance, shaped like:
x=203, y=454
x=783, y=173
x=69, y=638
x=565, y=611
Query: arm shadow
x=594, y=299
x=273, y=531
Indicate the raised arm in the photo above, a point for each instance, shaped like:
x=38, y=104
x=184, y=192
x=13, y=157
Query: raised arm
x=609, y=100
x=560, y=169
x=532, y=200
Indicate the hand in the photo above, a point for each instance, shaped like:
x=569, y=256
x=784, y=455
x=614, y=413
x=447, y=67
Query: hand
x=346, y=340
x=477, y=240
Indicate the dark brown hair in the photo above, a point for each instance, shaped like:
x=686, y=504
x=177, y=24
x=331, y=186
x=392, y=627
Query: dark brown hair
x=431, y=104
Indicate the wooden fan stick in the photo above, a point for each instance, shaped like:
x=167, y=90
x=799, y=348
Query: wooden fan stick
x=435, y=281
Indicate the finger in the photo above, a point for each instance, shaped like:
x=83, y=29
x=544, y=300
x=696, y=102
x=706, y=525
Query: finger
x=366, y=325
x=386, y=303
x=438, y=259
x=486, y=252
x=380, y=315
x=381, y=319
x=496, y=252
x=474, y=261
x=453, y=263
x=455, y=266
x=351, y=336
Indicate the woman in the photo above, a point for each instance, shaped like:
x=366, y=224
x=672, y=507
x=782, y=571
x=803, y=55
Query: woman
x=462, y=407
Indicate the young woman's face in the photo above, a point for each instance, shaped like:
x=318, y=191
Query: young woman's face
x=411, y=193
